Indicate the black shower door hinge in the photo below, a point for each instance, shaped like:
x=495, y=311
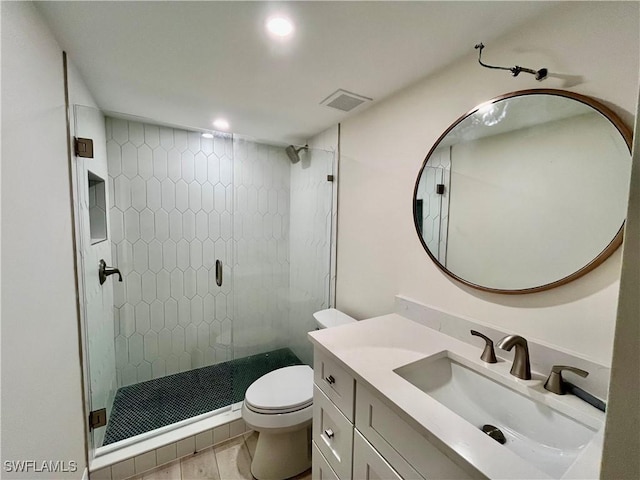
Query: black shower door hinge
x=97, y=418
x=84, y=147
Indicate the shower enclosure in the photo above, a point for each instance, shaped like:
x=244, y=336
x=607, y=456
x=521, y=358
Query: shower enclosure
x=223, y=246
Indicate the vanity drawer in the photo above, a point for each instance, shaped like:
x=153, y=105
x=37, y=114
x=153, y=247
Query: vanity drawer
x=335, y=382
x=320, y=468
x=389, y=434
x=333, y=434
x=368, y=464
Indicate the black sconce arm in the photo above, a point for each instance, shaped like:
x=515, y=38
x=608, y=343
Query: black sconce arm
x=515, y=71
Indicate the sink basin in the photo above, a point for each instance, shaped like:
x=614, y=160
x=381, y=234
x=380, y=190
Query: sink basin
x=546, y=438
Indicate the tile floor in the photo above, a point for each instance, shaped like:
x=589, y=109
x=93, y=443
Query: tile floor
x=227, y=461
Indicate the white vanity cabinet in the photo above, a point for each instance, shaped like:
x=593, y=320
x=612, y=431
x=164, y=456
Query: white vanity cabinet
x=332, y=434
x=368, y=464
x=333, y=405
x=320, y=467
x=406, y=450
x=356, y=435
x=336, y=383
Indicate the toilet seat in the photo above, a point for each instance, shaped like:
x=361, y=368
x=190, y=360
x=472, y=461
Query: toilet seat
x=281, y=391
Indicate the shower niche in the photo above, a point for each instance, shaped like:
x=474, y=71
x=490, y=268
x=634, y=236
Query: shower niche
x=97, y=208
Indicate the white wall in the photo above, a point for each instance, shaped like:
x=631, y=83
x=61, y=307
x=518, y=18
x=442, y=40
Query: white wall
x=42, y=416
x=590, y=48
x=620, y=458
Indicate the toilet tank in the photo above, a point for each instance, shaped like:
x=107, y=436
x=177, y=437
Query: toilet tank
x=332, y=318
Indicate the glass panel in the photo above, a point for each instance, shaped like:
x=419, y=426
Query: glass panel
x=96, y=299
x=310, y=246
x=282, y=229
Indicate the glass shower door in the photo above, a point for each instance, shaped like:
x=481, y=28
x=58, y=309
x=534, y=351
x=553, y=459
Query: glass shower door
x=224, y=249
x=171, y=218
x=156, y=203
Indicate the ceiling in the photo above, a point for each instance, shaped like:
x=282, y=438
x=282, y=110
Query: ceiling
x=188, y=63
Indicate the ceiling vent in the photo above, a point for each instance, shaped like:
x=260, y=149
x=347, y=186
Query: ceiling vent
x=343, y=100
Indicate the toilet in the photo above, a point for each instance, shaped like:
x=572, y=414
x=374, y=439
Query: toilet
x=279, y=405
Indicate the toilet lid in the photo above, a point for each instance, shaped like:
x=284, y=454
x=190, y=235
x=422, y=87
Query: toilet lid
x=284, y=390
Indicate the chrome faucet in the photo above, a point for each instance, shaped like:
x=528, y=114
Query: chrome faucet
x=521, y=367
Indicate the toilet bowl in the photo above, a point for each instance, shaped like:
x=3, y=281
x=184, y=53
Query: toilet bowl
x=279, y=406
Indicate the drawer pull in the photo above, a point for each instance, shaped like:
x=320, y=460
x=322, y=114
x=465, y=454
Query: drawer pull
x=329, y=433
x=330, y=380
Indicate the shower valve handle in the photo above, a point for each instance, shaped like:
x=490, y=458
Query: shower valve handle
x=104, y=272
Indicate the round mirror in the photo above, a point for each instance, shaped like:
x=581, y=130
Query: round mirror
x=525, y=192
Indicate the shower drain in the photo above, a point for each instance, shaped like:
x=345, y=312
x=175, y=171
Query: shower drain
x=495, y=433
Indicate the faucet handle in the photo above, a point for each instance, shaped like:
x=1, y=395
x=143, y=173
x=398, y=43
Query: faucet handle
x=555, y=383
x=488, y=354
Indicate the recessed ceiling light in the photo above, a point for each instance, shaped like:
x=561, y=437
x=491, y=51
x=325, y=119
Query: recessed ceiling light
x=207, y=135
x=221, y=124
x=280, y=26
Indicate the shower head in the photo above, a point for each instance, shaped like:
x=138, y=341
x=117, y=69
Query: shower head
x=292, y=152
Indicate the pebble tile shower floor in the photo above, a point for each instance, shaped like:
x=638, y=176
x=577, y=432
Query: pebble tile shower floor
x=149, y=405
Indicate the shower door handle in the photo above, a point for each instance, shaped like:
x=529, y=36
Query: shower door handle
x=218, y=273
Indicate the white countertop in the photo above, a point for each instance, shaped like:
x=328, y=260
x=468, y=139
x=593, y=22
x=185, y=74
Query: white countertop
x=371, y=350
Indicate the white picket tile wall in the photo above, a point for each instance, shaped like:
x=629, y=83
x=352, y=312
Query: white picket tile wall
x=261, y=229
x=171, y=210
x=181, y=201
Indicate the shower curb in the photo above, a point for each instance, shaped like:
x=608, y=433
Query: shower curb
x=124, y=466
